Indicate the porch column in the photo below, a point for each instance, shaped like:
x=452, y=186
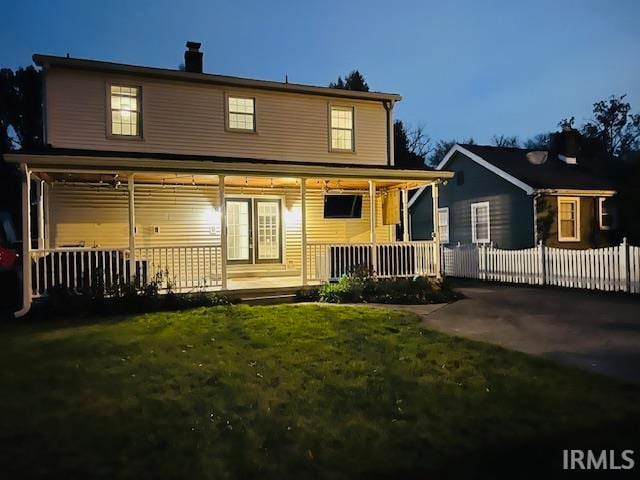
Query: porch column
x=47, y=216
x=405, y=214
x=372, y=222
x=132, y=230
x=41, y=237
x=223, y=231
x=436, y=229
x=303, y=226
x=26, y=243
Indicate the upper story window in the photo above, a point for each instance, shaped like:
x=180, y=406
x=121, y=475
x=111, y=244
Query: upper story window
x=480, y=229
x=568, y=219
x=125, y=110
x=241, y=114
x=342, y=138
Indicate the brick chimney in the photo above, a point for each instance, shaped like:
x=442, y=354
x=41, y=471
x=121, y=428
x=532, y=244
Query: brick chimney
x=193, y=58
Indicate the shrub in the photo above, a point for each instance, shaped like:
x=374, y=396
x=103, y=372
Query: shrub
x=123, y=297
x=359, y=288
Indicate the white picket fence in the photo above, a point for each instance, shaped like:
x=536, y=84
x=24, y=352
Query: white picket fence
x=609, y=269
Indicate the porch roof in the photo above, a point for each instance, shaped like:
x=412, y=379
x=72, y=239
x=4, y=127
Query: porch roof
x=111, y=163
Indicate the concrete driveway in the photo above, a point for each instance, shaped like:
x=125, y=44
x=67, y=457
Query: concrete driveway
x=596, y=331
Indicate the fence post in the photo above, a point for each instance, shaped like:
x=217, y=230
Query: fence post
x=541, y=269
x=482, y=262
x=624, y=266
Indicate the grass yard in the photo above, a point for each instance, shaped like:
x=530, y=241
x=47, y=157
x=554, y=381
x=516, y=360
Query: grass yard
x=294, y=391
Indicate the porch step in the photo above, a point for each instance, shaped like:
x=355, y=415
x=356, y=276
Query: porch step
x=264, y=296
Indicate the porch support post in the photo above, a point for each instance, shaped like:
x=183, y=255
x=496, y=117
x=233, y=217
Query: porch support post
x=436, y=229
x=47, y=216
x=223, y=231
x=26, y=243
x=41, y=237
x=372, y=222
x=132, y=230
x=405, y=214
x=303, y=226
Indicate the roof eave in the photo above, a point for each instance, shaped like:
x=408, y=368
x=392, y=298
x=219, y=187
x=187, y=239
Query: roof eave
x=47, y=61
x=124, y=164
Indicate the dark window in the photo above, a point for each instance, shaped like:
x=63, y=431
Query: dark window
x=342, y=206
x=459, y=178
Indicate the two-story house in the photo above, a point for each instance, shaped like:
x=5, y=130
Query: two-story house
x=216, y=182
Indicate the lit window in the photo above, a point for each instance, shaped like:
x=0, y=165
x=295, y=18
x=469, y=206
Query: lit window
x=443, y=224
x=125, y=111
x=606, y=214
x=480, y=230
x=568, y=219
x=241, y=114
x=342, y=128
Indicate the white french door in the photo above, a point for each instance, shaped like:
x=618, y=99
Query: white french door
x=254, y=230
x=239, y=231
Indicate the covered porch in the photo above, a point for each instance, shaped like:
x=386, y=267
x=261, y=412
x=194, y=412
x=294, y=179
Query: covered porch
x=222, y=227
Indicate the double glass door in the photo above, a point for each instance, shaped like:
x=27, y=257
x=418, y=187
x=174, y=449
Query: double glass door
x=254, y=230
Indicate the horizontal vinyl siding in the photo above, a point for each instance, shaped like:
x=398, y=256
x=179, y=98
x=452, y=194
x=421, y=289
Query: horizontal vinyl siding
x=98, y=217
x=189, y=118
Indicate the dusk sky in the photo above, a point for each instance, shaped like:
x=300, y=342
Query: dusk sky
x=464, y=68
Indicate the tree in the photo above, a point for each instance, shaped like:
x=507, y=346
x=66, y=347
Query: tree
x=411, y=146
x=20, y=109
x=505, y=141
x=353, y=81
x=614, y=126
x=541, y=141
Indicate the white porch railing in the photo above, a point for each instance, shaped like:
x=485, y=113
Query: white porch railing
x=183, y=268
x=330, y=261
x=78, y=270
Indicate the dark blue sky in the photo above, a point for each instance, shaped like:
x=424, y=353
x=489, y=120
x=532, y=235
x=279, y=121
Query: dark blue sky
x=465, y=68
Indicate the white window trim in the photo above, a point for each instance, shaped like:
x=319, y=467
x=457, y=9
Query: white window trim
x=575, y=238
x=353, y=128
x=601, y=200
x=227, y=113
x=108, y=120
x=444, y=210
x=474, y=237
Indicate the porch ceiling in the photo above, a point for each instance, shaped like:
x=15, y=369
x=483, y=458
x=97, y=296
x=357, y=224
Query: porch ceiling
x=158, y=169
x=182, y=179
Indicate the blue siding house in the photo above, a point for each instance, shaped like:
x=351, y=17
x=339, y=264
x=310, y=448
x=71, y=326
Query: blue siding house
x=513, y=198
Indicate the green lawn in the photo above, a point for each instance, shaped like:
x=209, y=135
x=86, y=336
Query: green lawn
x=295, y=391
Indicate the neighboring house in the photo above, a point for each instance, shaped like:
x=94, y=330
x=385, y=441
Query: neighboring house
x=216, y=182
x=514, y=198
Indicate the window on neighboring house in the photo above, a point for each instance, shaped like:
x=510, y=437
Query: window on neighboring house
x=342, y=138
x=241, y=114
x=606, y=214
x=568, y=219
x=125, y=111
x=480, y=229
x=443, y=223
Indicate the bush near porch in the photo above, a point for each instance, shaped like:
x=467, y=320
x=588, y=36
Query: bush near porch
x=362, y=286
x=292, y=391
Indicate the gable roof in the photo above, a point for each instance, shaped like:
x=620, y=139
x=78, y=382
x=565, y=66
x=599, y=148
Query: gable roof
x=165, y=73
x=552, y=174
x=513, y=165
